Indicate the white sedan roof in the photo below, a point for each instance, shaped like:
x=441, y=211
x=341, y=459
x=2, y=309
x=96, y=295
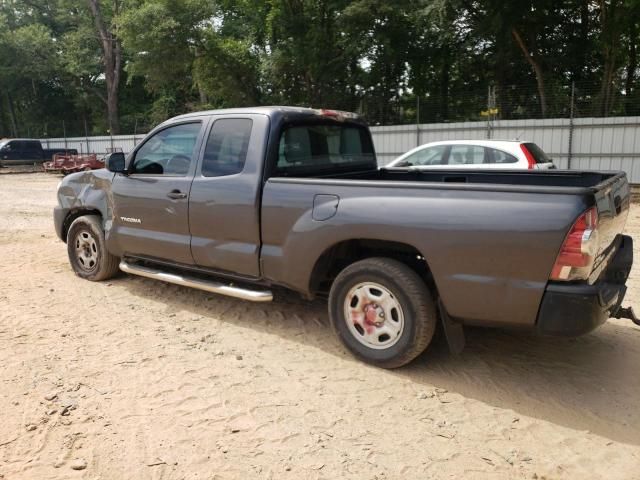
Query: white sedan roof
x=482, y=143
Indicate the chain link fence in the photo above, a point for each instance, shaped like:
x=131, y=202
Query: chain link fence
x=514, y=102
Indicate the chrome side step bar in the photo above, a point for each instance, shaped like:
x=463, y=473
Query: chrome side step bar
x=206, y=285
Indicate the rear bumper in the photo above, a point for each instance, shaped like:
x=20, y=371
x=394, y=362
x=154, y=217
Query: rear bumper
x=576, y=309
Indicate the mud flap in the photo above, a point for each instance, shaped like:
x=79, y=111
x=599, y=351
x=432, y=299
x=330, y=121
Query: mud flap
x=454, y=332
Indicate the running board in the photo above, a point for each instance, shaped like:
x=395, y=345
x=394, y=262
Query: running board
x=192, y=282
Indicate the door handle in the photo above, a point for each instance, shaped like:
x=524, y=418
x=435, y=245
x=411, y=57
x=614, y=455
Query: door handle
x=176, y=194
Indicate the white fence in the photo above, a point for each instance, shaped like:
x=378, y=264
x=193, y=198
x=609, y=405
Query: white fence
x=586, y=143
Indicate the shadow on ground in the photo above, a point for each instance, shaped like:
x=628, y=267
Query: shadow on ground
x=588, y=383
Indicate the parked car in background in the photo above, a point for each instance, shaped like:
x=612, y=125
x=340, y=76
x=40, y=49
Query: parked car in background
x=24, y=151
x=469, y=154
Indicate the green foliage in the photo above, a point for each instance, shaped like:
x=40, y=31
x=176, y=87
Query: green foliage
x=371, y=56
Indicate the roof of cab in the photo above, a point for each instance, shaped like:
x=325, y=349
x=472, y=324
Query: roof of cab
x=271, y=111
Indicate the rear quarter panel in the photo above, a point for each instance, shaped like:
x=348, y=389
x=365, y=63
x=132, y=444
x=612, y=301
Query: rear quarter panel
x=490, y=252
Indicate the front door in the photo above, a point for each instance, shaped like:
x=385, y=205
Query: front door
x=151, y=202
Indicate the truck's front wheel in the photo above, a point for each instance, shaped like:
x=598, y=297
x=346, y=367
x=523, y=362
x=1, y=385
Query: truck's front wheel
x=382, y=311
x=87, y=250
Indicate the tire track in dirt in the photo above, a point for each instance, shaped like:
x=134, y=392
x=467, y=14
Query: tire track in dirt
x=176, y=383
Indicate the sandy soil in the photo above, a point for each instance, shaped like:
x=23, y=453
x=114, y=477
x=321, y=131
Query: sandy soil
x=136, y=379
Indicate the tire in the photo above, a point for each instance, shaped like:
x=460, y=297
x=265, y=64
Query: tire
x=87, y=250
x=362, y=301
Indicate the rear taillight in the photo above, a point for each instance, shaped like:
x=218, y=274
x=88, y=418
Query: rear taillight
x=579, y=250
x=531, y=161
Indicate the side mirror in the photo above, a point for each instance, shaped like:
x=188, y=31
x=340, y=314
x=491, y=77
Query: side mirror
x=114, y=162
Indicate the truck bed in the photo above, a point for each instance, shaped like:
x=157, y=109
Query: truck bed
x=490, y=238
x=513, y=178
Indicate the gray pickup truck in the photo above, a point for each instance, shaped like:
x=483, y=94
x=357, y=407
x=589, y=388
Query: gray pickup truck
x=239, y=201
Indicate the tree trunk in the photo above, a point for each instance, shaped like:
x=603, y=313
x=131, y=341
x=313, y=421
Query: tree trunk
x=2, y=134
x=629, y=86
x=12, y=115
x=537, y=68
x=577, y=75
x=112, y=60
x=444, y=83
x=610, y=20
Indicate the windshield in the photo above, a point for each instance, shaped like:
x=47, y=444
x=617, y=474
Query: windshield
x=3, y=143
x=538, y=154
x=314, y=149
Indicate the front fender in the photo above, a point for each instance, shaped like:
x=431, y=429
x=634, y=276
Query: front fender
x=81, y=193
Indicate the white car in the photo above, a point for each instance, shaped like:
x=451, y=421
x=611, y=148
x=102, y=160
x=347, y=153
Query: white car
x=478, y=154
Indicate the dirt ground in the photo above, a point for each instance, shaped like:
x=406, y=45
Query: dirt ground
x=137, y=379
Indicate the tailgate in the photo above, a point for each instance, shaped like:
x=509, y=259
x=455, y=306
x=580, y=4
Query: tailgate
x=613, y=198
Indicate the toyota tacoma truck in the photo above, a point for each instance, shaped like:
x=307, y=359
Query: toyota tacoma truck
x=240, y=201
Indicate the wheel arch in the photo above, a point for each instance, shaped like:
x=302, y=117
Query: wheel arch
x=77, y=213
x=341, y=254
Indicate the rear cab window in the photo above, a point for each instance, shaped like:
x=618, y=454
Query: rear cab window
x=538, y=154
x=314, y=149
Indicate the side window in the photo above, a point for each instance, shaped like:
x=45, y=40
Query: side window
x=32, y=146
x=227, y=145
x=466, y=155
x=498, y=156
x=168, y=152
x=427, y=156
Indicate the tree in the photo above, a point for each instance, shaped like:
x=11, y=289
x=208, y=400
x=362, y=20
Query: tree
x=112, y=60
x=118, y=64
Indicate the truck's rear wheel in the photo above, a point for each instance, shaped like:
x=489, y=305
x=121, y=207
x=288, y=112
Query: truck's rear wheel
x=382, y=311
x=87, y=250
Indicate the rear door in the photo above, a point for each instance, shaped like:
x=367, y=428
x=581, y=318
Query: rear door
x=224, y=209
x=500, y=159
x=151, y=202
x=462, y=156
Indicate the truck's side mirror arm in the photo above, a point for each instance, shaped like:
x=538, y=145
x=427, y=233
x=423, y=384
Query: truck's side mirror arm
x=115, y=162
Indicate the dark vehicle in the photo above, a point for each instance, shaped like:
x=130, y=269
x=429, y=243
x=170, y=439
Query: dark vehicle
x=237, y=201
x=23, y=151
